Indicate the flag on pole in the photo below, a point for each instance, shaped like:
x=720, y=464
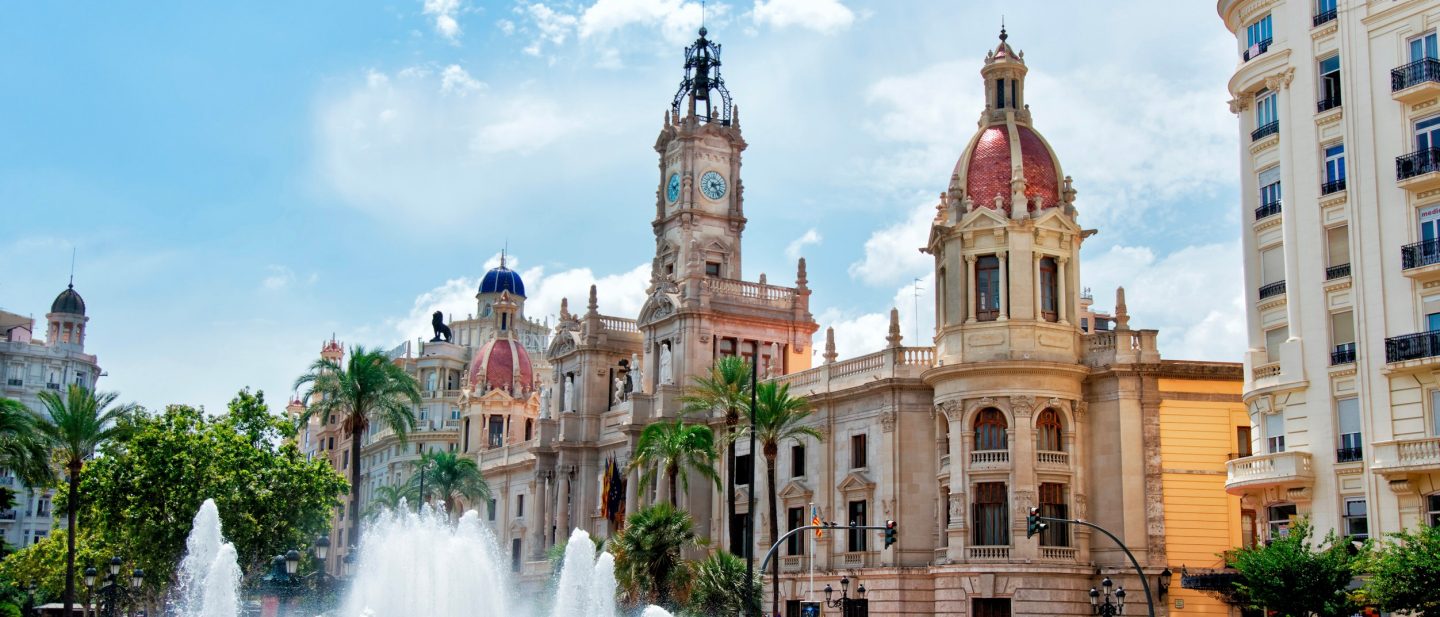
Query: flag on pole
x=815, y=520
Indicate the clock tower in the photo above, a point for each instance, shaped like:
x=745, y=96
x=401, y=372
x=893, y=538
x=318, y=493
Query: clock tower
x=699, y=209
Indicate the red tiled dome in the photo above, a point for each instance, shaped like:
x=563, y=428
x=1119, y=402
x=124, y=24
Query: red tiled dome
x=987, y=172
x=502, y=364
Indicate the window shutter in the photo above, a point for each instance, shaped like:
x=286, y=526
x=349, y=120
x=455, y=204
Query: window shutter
x=1337, y=245
x=1272, y=265
x=1342, y=327
x=1349, y=411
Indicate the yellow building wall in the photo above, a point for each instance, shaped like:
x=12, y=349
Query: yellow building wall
x=1198, y=419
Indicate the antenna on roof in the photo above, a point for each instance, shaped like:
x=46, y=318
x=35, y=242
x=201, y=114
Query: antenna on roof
x=504, y=250
x=702, y=13
x=72, y=267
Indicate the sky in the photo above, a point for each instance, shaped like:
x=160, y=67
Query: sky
x=241, y=181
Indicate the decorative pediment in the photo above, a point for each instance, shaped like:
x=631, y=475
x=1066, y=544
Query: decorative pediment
x=795, y=490
x=563, y=343
x=983, y=218
x=1054, y=219
x=517, y=527
x=657, y=307
x=855, y=482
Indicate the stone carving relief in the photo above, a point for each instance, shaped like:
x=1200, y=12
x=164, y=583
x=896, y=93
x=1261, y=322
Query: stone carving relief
x=951, y=409
x=957, y=510
x=1022, y=405
x=887, y=421
x=1081, y=408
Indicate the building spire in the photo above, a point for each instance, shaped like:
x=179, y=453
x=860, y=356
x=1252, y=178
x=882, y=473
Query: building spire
x=72, y=269
x=702, y=84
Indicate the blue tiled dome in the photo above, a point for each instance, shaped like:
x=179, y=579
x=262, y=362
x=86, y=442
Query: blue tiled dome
x=502, y=279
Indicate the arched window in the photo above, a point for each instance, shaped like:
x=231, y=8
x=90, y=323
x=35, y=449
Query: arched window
x=1049, y=294
x=987, y=288
x=990, y=428
x=529, y=428
x=1047, y=432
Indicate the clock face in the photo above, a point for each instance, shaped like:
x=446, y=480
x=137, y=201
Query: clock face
x=672, y=188
x=713, y=185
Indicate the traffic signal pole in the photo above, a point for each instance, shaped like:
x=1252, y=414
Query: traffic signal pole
x=1034, y=523
x=888, y=528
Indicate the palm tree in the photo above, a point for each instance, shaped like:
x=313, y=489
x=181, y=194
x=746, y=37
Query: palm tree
x=778, y=417
x=672, y=447
x=452, y=477
x=719, y=587
x=75, y=426
x=23, y=448
x=727, y=390
x=369, y=388
x=648, y=564
x=388, y=498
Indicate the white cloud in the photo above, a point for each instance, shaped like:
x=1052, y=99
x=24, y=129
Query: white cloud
x=444, y=13
x=825, y=16
x=506, y=26
x=859, y=334
x=279, y=278
x=525, y=125
x=677, y=20
x=1193, y=296
x=455, y=79
x=553, y=26
x=796, y=248
x=892, y=254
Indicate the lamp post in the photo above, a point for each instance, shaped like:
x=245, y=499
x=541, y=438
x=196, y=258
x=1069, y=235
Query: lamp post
x=89, y=577
x=843, y=601
x=29, y=608
x=1112, y=605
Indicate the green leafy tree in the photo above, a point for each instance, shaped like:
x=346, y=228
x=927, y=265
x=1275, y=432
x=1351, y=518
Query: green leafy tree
x=1405, y=572
x=75, y=426
x=648, y=562
x=779, y=417
x=725, y=389
x=142, y=498
x=450, y=478
x=718, y=587
x=23, y=447
x=1293, y=577
x=671, y=448
x=368, y=388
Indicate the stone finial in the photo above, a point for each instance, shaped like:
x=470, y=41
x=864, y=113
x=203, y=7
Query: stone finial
x=593, y=308
x=893, y=339
x=762, y=278
x=1122, y=316
x=830, y=354
x=564, y=309
x=801, y=279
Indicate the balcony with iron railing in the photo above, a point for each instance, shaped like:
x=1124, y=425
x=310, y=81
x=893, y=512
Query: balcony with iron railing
x=1343, y=353
x=1421, y=347
x=1281, y=470
x=1419, y=170
x=1337, y=272
x=1254, y=51
x=1416, y=81
x=1267, y=210
x=1323, y=17
x=1328, y=103
x=1333, y=186
x=1271, y=290
x=1265, y=130
x=1349, y=455
x=1420, y=254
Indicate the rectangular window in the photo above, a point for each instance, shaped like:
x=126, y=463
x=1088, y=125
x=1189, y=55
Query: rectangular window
x=1273, y=338
x=1337, y=246
x=519, y=506
x=490, y=509
x=1280, y=520
x=1272, y=265
x=740, y=546
x=795, y=545
x=1267, y=108
x=712, y=268
x=1427, y=133
x=857, y=538
x=1435, y=413
x=1357, y=525
x=1348, y=410
x=1342, y=328
x=857, y=452
x=1052, y=505
x=1330, y=82
x=990, y=607
x=1422, y=47
x=1242, y=442
x=744, y=469
x=1432, y=504
x=991, y=515
x=1269, y=183
x=987, y=288
x=1258, y=32
x=1275, y=432
x=1048, y=290
x=515, y=555
x=1335, y=163
x=999, y=94
x=797, y=461
x=497, y=432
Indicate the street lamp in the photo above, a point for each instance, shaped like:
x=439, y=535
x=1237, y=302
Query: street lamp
x=844, y=593
x=114, y=565
x=137, y=578
x=322, y=547
x=90, y=576
x=1107, y=608
x=292, y=562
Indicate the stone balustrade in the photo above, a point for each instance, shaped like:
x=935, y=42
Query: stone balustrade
x=890, y=362
x=1278, y=469
x=1406, y=455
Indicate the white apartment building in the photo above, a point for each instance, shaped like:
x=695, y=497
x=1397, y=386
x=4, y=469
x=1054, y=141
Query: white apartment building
x=1338, y=104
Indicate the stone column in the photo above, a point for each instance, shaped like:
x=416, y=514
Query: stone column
x=970, y=290
x=542, y=520
x=632, y=492
x=1024, y=489
x=1062, y=298
x=1037, y=287
x=959, y=450
x=1003, y=298
x=562, y=524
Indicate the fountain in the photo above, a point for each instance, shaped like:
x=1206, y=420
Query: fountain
x=421, y=564
x=209, y=573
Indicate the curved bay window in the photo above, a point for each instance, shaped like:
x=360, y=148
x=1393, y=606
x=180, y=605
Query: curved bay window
x=1047, y=432
x=990, y=428
x=987, y=288
x=1049, y=290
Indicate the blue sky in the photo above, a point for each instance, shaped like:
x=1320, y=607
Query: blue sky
x=240, y=180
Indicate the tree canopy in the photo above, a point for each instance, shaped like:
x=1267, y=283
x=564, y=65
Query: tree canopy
x=1405, y=572
x=1293, y=577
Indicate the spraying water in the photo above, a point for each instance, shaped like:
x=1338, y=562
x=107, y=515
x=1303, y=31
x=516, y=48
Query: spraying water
x=420, y=564
x=209, y=574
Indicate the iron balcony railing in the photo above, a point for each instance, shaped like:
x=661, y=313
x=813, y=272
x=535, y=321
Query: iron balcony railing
x=1343, y=353
x=1422, y=253
x=1415, y=73
x=1328, y=103
x=1349, y=455
x=1324, y=16
x=1273, y=289
x=1267, y=209
x=1265, y=130
x=1412, y=346
x=1335, y=272
x=1255, y=50
x=1417, y=163
x=1333, y=186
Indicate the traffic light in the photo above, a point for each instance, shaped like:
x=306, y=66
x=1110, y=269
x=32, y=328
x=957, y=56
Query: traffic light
x=1033, y=524
x=889, y=533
